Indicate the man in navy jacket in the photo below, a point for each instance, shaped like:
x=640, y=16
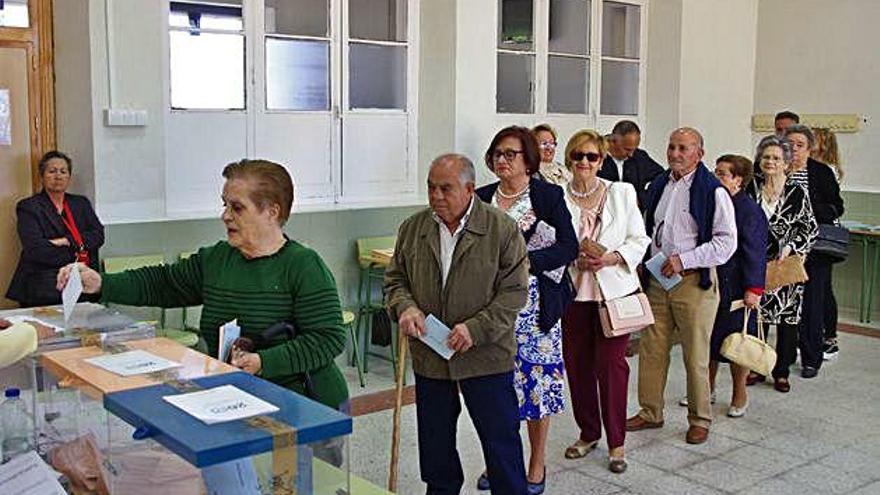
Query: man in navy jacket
x=627, y=162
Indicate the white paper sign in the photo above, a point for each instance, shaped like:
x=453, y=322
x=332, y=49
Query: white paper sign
x=27, y=474
x=72, y=291
x=436, y=335
x=132, y=363
x=220, y=404
x=5, y=118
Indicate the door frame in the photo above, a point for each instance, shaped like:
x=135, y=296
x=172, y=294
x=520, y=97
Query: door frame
x=37, y=41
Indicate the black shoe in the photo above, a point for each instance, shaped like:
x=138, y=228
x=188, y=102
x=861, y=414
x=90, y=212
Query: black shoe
x=536, y=488
x=809, y=372
x=483, y=483
x=830, y=350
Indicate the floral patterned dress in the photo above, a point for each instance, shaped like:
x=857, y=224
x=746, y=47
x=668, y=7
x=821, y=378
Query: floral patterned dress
x=539, y=374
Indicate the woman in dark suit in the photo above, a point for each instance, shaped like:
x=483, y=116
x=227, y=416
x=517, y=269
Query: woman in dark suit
x=742, y=277
x=538, y=208
x=55, y=228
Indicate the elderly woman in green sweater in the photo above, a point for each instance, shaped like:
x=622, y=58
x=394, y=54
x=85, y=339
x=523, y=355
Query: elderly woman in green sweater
x=258, y=276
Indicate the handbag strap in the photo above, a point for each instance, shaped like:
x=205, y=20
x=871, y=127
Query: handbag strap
x=745, y=331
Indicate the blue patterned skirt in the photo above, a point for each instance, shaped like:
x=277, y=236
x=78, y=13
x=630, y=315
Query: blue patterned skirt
x=539, y=375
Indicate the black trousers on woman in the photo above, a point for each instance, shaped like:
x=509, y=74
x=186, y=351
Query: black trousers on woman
x=813, y=314
x=786, y=348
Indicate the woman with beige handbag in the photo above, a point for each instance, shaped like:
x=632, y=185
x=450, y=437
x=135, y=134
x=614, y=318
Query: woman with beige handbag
x=742, y=277
x=606, y=219
x=792, y=232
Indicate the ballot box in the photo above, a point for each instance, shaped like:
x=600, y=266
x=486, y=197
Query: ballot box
x=138, y=439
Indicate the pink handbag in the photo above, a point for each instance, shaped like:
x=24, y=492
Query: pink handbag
x=625, y=315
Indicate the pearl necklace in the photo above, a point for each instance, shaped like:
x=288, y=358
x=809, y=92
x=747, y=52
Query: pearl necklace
x=584, y=195
x=511, y=196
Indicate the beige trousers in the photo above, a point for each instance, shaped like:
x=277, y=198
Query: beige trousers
x=690, y=311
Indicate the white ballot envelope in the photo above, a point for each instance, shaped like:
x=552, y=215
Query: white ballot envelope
x=655, y=264
x=72, y=291
x=436, y=334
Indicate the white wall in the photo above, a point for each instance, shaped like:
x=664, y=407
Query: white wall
x=663, y=79
x=817, y=56
x=717, y=85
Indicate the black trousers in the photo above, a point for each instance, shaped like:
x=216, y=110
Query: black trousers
x=786, y=348
x=831, y=309
x=813, y=314
x=492, y=404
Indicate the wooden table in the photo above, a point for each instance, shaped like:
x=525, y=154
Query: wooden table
x=69, y=366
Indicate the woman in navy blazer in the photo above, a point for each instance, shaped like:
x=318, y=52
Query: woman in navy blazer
x=50, y=237
x=742, y=277
x=540, y=212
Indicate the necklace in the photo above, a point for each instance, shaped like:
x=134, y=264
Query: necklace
x=511, y=196
x=584, y=195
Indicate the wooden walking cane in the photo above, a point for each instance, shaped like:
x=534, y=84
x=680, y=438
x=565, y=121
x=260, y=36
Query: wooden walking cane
x=402, y=345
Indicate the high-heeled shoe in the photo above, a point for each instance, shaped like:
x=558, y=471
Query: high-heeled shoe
x=617, y=465
x=536, y=488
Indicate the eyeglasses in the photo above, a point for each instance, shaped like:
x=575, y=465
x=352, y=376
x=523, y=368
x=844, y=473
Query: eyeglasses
x=577, y=156
x=548, y=144
x=508, y=155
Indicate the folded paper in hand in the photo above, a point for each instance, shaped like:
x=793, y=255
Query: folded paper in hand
x=436, y=335
x=544, y=237
x=655, y=266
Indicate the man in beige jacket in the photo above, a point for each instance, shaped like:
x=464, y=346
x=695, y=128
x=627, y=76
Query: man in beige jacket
x=465, y=263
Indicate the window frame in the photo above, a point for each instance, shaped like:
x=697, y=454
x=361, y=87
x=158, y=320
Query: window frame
x=594, y=57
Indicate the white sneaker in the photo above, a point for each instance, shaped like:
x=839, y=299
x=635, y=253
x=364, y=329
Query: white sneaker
x=737, y=412
x=684, y=400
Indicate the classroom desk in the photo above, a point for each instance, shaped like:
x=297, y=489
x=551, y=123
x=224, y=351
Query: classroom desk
x=870, y=242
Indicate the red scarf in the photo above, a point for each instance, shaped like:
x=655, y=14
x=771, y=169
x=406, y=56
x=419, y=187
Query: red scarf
x=82, y=255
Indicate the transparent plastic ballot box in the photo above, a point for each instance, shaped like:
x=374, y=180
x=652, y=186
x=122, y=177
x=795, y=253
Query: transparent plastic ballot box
x=302, y=448
x=56, y=412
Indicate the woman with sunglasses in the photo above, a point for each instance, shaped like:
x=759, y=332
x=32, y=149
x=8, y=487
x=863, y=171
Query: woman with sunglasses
x=539, y=210
x=550, y=170
x=605, y=216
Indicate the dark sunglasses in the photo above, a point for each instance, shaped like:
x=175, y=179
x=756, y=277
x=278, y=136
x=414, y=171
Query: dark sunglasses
x=577, y=156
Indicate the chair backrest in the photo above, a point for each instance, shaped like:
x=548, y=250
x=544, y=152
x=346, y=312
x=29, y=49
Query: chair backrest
x=122, y=263
x=367, y=244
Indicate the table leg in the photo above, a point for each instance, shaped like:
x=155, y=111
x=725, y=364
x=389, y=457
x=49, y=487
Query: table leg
x=863, y=279
x=873, y=281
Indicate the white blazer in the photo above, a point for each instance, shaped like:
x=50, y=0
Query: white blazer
x=622, y=230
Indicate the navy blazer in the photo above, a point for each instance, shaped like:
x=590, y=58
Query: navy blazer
x=548, y=203
x=747, y=267
x=33, y=283
x=638, y=170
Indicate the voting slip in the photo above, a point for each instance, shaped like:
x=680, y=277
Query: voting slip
x=27, y=474
x=655, y=265
x=436, y=335
x=72, y=291
x=132, y=363
x=220, y=404
x=229, y=333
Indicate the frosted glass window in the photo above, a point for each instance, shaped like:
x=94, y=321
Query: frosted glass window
x=567, y=84
x=569, y=26
x=297, y=17
x=377, y=76
x=620, y=30
x=379, y=20
x=207, y=71
x=514, y=88
x=620, y=88
x=14, y=14
x=297, y=74
x=515, y=24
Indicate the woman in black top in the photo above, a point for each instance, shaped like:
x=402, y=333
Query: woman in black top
x=55, y=228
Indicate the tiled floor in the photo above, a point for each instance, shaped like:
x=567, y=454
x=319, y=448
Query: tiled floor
x=822, y=438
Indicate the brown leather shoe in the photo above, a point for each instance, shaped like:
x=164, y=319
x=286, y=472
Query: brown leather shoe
x=697, y=435
x=637, y=423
